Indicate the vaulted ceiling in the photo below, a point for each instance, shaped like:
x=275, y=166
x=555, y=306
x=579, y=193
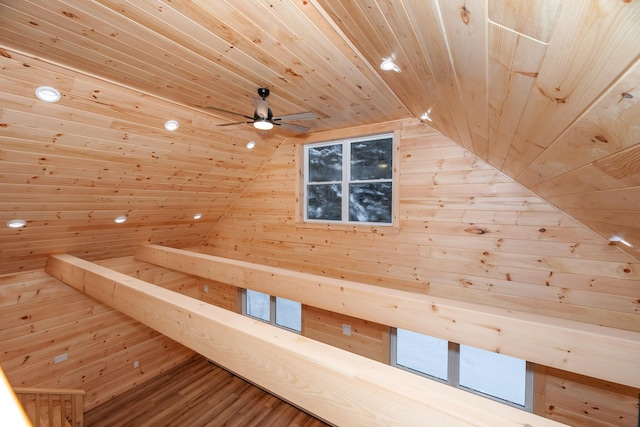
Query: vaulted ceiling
x=546, y=91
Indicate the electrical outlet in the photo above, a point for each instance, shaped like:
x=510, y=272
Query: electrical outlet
x=60, y=358
x=346, y=330
x=135, y=364
x=206, y=288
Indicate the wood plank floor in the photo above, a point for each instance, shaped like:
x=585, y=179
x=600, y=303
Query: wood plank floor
x=198, y=393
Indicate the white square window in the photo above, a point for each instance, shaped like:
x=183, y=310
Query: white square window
x=422, y=353
x=494, y=374
x=258, y=305
x=289, y=314
x=350, y=181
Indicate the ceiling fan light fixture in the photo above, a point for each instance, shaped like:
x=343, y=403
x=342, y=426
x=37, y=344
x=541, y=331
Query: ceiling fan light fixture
x=48, y=94
x=263, y=124
x=388, y=65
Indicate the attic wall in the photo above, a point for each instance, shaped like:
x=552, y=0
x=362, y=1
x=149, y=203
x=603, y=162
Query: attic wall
x=69, y=168
x=42, y=318
x=465, y=231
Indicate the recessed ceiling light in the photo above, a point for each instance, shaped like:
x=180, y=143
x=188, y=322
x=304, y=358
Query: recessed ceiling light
x=171, y=125
x=251, y=145
x=16, y=223
x=263, y=124
x=120, y=219
x=614, y=239
x=48, y=94
x=425, y=116
x=197, y=216
x=388, y=65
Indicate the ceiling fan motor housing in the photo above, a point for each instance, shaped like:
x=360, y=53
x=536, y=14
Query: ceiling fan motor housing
x=269, y=117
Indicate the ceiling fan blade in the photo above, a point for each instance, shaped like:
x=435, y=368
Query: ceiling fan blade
x=262, y=108
x=228, y=112
x=297, y=116
x=297, y=128
x=234, y=123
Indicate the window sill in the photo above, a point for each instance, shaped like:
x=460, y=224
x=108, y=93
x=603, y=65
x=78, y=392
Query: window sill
x=392, y=229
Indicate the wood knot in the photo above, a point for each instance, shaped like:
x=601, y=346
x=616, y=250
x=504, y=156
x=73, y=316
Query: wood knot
x=601, y=138
x=465, y=15
x=627, y=95
x=476, y=230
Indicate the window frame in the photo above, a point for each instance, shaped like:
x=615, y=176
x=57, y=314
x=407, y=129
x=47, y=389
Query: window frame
x=453, y=374
x=272, y=311
x=346, y=181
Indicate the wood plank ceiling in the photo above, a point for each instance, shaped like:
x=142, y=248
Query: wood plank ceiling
x=544, y=90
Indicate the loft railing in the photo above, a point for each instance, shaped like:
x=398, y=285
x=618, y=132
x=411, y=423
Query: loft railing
x=52, y=407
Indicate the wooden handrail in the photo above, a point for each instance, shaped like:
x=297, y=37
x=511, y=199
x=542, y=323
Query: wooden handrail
x=59, y=404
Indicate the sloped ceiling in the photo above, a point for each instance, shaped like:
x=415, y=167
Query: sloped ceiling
x=546, y=91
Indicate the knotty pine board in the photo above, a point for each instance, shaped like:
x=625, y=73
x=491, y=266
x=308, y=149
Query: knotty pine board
x=367, y=339
x=43, y=318
x=578, y=400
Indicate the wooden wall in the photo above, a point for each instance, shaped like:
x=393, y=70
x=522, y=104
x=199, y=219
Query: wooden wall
x=220, y=294
x=583, y=401
x=366, y=338
x=42, y=318
x=466, y=231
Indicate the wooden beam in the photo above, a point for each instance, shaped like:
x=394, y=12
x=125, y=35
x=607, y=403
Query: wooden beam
x=335, y=385
x=596, y=351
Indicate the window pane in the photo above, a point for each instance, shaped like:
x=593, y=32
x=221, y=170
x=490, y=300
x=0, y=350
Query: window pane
x=258, y=305
x=372, y=159
x=422, y=353
x=325, y=163
x=289, y=314
x=494, y=374
x=370, y=202
x=324, y=201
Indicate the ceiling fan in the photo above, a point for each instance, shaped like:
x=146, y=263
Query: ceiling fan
x=263, y=116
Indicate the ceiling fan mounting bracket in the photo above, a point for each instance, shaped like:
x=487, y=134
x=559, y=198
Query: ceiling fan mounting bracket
x=263, y=92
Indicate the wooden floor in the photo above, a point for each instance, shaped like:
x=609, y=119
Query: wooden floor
x=198, y=393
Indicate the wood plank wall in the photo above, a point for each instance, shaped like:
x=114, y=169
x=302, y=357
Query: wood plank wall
x=466, y=231
x=578, y=400
x=42, y=318
x=367, y=339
